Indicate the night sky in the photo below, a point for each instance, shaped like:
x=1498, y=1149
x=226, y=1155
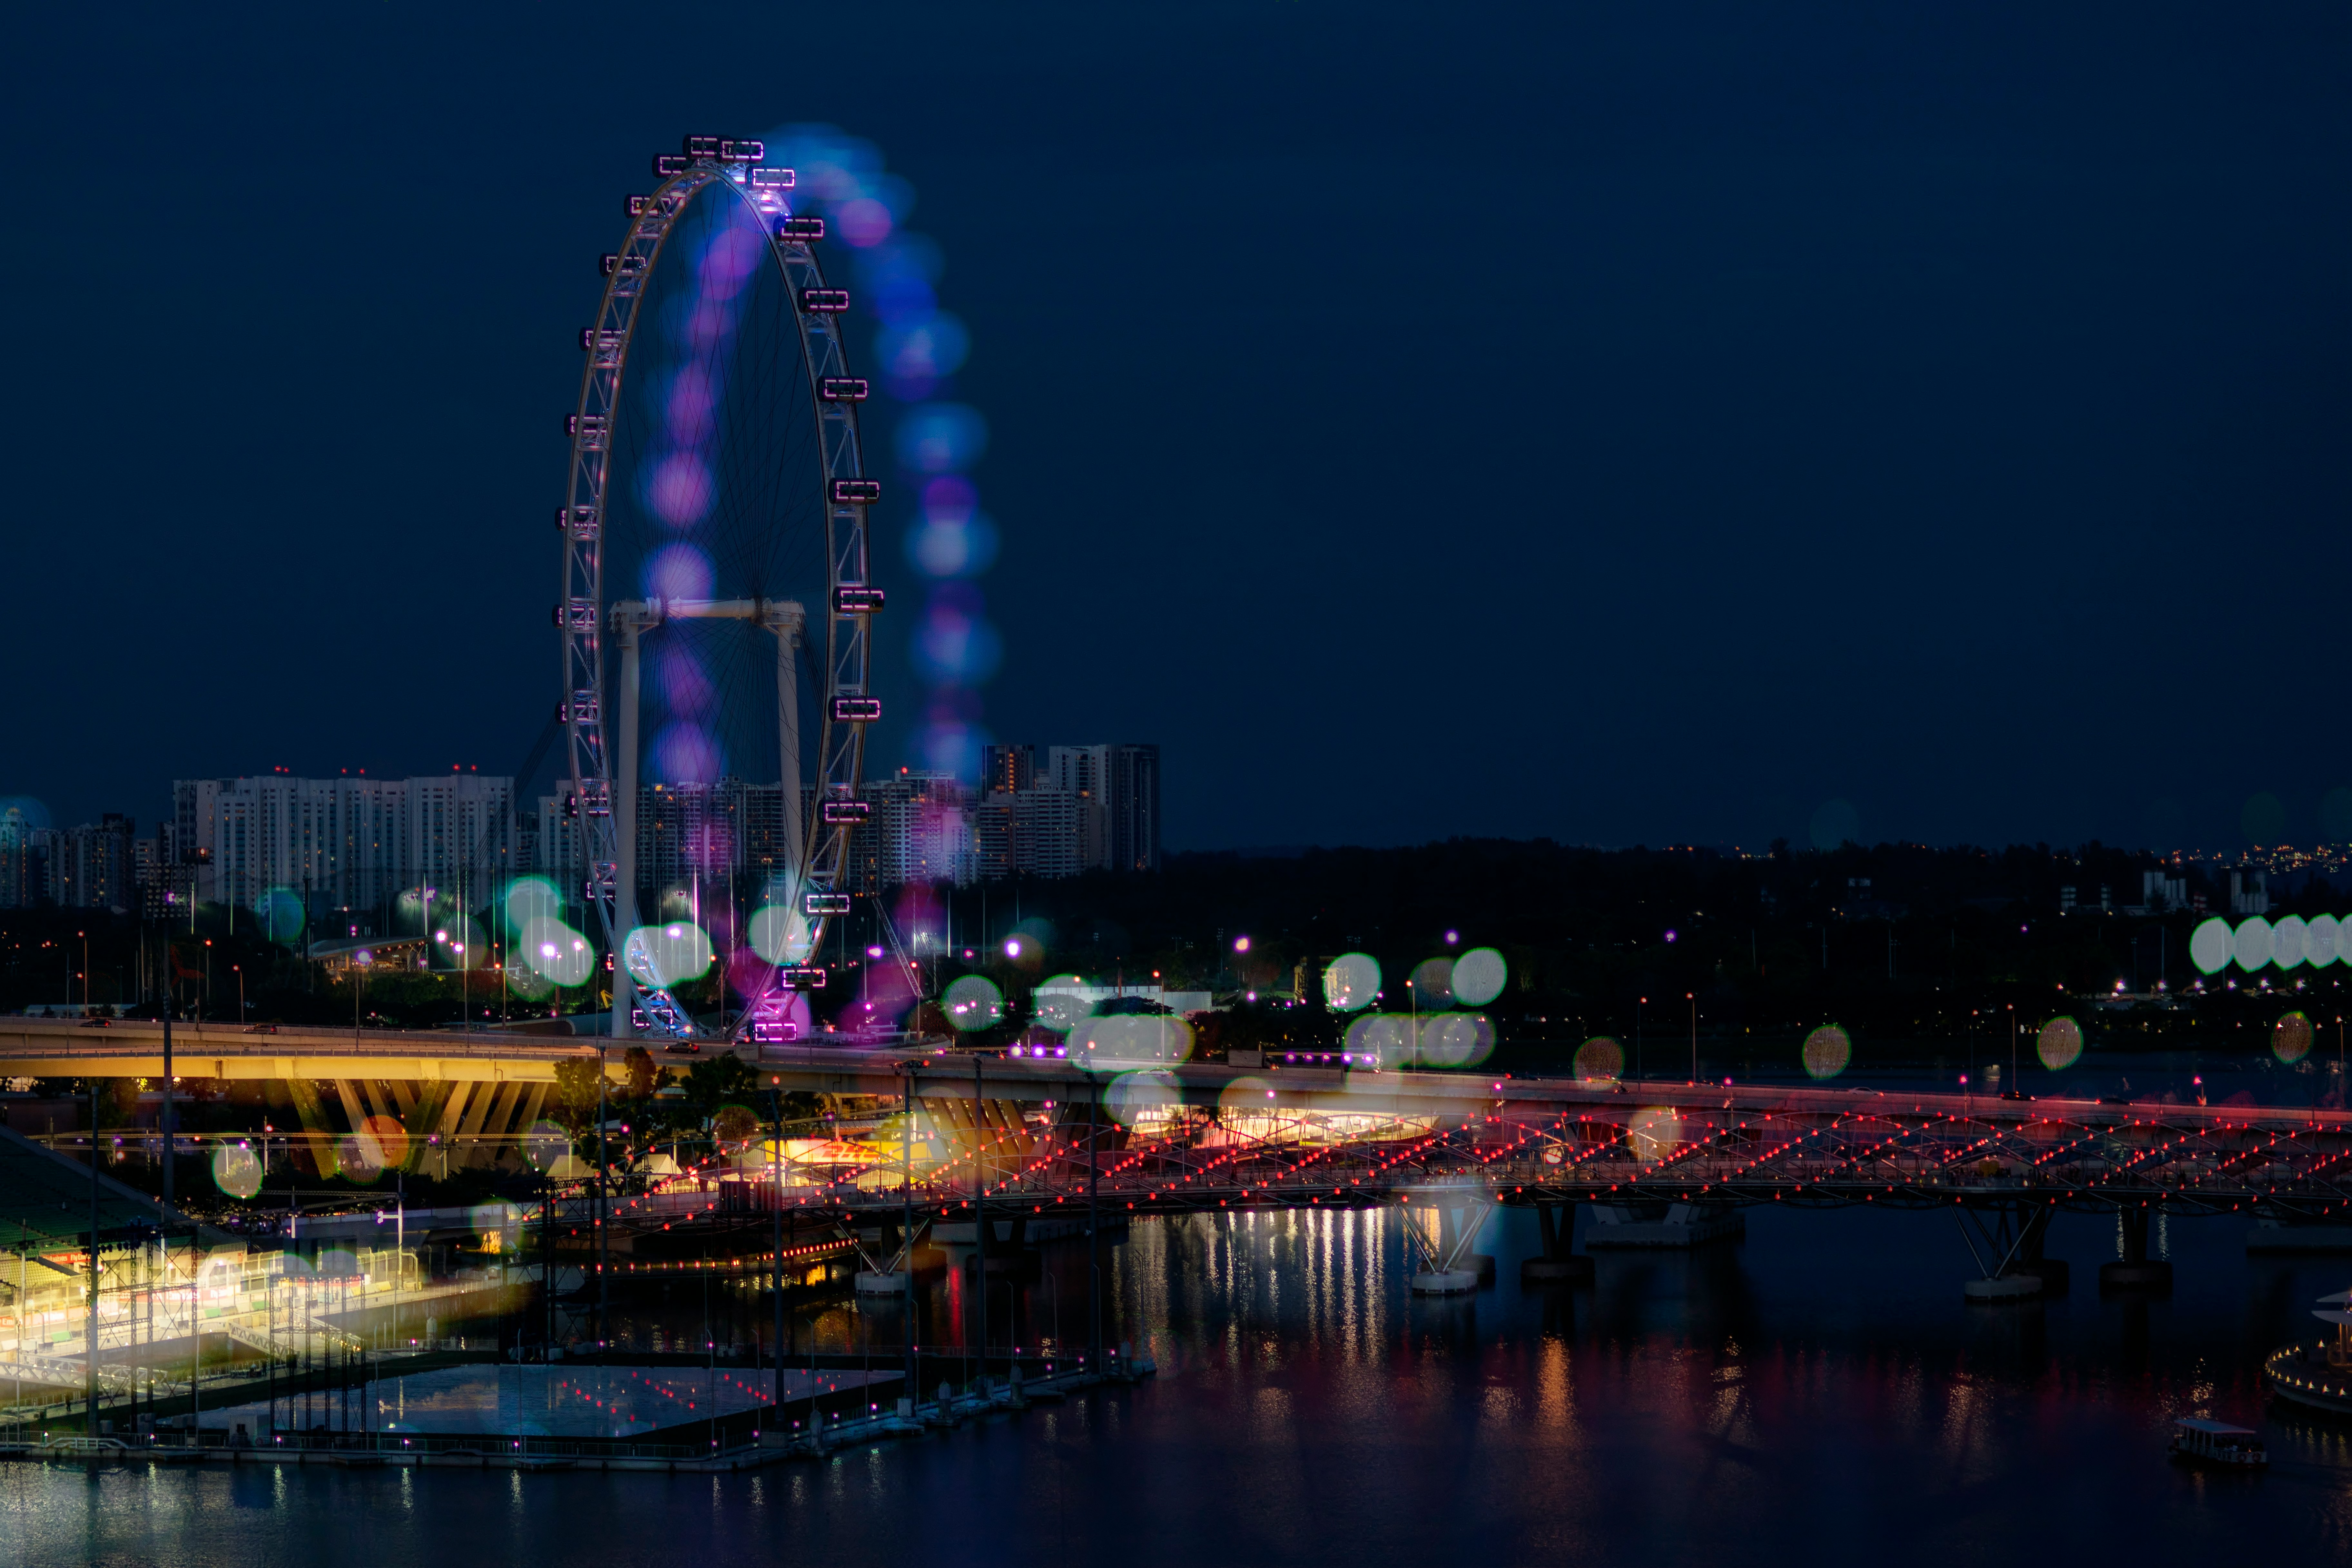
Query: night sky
x=1662, y=422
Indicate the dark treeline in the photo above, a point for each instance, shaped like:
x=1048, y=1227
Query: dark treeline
x=1911, y=949
x=1898, y=943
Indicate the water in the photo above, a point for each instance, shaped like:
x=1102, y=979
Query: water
x=561, y=1401
x=1816, y=1395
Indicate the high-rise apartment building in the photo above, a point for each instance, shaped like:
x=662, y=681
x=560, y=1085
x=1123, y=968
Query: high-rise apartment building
x=342, y=842
x=920, y=829
x=1090, y=808
x=1007, y=768
x=1132, y=795
x=18, y=873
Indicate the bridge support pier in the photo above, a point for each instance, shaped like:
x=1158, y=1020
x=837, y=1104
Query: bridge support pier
x=1560, y=1263
x=2015, y=1268
x=2051, y=1271
x=1659, y=1223
x=2136, y=1270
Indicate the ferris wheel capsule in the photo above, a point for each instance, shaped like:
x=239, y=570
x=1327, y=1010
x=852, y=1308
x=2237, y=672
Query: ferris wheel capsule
x=772, y=179
x=702, y=146
x=843, y=389
x=857, y=600
x=856, y=492
x=824, y=903
x=804, y=229
x=857, y=710
x=824, y=301
x=838, y=812
x=667, y=165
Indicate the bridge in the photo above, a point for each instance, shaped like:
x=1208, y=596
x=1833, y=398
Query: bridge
x=933, y=1130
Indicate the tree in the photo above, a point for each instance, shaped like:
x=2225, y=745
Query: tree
x=639, y=1062
x=576, y=1082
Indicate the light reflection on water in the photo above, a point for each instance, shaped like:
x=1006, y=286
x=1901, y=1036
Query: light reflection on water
x=1818, y=1393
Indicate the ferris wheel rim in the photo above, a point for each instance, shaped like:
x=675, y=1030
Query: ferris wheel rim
x=582, y=612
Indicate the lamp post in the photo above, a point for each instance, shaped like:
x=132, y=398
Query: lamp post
x=1692, y=997
x=238, y=970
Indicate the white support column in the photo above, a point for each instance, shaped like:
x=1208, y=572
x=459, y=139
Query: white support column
x=786, y=620
x=630, y=622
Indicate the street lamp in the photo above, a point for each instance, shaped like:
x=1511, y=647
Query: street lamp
x=238, y=970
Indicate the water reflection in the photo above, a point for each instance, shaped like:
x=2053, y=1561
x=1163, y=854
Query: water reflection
x=1819, y=1393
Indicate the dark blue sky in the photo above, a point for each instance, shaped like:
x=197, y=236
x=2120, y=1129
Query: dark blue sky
x=1648, y=425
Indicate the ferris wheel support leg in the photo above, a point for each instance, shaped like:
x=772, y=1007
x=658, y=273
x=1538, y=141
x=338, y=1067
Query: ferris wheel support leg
x=625, y=827
x=788, y=730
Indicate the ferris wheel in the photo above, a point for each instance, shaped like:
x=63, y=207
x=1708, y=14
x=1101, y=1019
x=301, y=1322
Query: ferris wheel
x=715, y=575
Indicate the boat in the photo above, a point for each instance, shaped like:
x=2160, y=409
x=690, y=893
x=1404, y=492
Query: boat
x=2217, y=1443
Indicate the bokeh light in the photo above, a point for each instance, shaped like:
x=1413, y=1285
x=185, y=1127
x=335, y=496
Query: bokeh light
x=1656, y=1132
x=2059, y=1044
x=236, y=1170
x=2291, y=1038
x=544, y=1145
x=390, y=1140
x=1432, y=982
x=972, y=1002
x=279, y=912
x=779, y=933
x=941, y=438
x=1455, y=1039
x=530, y=899
x=2287, y=939
x=1054, y=1007
x=360, y=1156
x=1479, y=976
x=1827, y=1051
x=2321, y=939
x=2209, y=946
x=918, y=355
x=961, y=547
x=553, y=950
x=1244, y=1099
x=670, y=953
x=1134, y=1097
x=1386, y=1037
x=954, y=645
x=1351, y=981
x=917, y=351
x=2251, y=944
x=1110, y=1040
x=1600, y=1059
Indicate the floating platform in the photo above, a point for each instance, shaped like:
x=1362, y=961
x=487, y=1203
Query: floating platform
x=2303, y=1375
